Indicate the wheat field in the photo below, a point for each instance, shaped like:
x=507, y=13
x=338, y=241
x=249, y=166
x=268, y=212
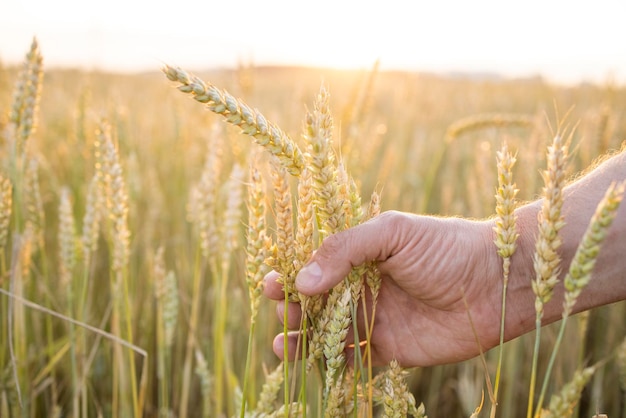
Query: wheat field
x=131, y=208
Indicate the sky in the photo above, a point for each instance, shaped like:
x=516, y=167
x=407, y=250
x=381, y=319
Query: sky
x=565, y=41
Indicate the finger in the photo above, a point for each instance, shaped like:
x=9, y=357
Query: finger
x=272, y=288
x=376, y=239
x=294, y=314
x=293, y=351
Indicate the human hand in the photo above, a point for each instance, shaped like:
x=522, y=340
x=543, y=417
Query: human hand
x=434, y=272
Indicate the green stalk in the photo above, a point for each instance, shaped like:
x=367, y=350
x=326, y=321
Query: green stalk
x=161, y=372
x=533, y=370
x=193, y=319
x=129, y=338
x=73, y=342
x=3, y=308
x=358, y=360
x=82, y=303
x=305, y=326
x=506, y=262
x=246, y=378
x=219, y=333
x=285, y=354
x=555, y=349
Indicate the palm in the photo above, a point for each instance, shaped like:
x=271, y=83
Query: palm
x=421, y=315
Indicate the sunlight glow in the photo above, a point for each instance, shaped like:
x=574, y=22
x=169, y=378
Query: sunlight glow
x=558, y=39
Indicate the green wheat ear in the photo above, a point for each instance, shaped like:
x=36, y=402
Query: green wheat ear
x=582, y=265
x=587, y=252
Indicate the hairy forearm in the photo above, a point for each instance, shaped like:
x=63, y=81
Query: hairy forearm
x=608, y=282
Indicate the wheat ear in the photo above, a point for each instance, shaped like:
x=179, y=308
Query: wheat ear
x=26, y=97
x=587, y=252
x=91, y=221
x=6, y=203
x=546, y=258
x=321, y=162
x=269, y=391
x=238, y=113
x=202, y=206
x=206, y=383
x=255, y=267
x=583, y=262
x=35, y=215
x=396, y=398
x=563, y=403
x=506, y=238
x=334, y=344
x=67, y=238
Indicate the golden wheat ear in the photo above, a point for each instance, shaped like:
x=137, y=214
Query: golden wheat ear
x=238, y=113
x=23, y=116
x=547, y=259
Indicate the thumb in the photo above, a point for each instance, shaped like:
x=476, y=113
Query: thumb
x=338, y=253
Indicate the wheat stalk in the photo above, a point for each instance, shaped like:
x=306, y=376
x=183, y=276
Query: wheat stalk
x=506, y=237
x=546, y=259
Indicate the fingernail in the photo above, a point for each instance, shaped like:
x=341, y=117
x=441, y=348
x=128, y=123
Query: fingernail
x=308, y=276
